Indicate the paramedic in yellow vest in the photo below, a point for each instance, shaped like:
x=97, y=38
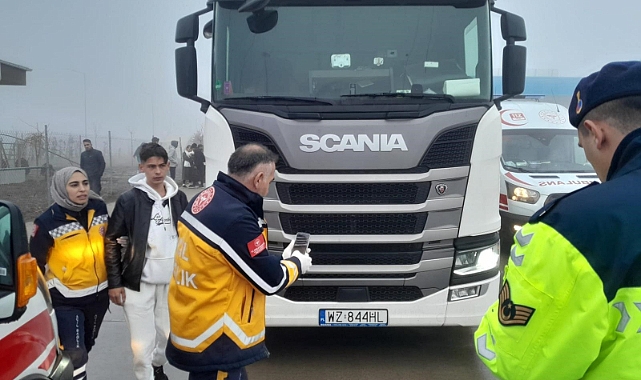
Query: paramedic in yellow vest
x=570, y=303
x=68, y=244
x=223, y=272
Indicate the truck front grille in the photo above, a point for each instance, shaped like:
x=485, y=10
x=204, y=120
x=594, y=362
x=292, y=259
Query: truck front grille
x=353, y=193
x=376, y=293
x=452, y=148
x=354, y=224
x=366, y=259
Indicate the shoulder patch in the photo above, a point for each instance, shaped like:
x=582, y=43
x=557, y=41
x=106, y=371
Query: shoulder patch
x=35, y=230
x=203, y=199
x=511, y=314
x=257, y=245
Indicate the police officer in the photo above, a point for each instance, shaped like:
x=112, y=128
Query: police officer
x=570, y=304
x=223, y=271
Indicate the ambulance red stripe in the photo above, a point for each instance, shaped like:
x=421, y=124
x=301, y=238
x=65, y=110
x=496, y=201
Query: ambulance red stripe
x=26, y=344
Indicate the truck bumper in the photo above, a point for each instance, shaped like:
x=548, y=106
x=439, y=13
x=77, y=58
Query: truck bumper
x=432, y=310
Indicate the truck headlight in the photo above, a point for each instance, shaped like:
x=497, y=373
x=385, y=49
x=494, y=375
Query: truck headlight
x=521, y=194
x=476, y=260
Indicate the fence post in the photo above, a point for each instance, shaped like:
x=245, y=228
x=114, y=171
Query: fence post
x=47, y=162
x=110, y=165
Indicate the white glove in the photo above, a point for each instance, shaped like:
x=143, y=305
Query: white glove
x=287, y=252
x=305, y=260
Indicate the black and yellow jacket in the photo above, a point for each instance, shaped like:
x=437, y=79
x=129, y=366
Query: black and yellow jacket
x=72, y=246
x=222, y=273
x=570, y=304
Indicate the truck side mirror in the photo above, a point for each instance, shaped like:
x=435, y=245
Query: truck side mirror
x=187, y=72
x=513, y=28
x=514, y=58
x=18, y=270
x=187, y=29
x=186, y=60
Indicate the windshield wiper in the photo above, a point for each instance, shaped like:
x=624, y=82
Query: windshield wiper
x=449, y=98
x=515, y=169
x=294, y=99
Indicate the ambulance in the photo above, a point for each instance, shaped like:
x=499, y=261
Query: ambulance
x=541, y=160
x=29, y=347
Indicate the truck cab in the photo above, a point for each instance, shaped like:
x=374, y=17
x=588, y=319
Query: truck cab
x=382, y=117
x=541, y=160
x=29, y=345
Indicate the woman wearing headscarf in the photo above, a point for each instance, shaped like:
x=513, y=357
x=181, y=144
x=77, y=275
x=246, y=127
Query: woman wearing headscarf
x=68, y=243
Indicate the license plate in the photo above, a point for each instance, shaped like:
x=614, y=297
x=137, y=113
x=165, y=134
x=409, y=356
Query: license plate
x=352, y=317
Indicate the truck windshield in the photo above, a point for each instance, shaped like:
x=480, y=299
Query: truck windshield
x=544, y=151
x=338, y=53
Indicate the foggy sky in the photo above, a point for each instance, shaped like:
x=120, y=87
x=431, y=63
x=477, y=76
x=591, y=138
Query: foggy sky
x=124, y=50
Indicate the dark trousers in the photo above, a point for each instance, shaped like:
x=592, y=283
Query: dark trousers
x=237, y=374
x=94, y=184
x=172, y=172
x=79, y=320
x=186, y=174
x=195, y=175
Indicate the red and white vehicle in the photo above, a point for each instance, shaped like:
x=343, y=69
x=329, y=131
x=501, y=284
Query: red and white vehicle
x=541, y=160
x=29, y=347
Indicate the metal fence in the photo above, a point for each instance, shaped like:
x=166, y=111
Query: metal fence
x=25, y=157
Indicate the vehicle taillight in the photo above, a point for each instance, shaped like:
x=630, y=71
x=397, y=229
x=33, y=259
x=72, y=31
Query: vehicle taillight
x=27, y=284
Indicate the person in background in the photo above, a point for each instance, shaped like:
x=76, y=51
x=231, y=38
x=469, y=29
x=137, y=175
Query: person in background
x=188, y=156
x=143, y=222
x=198, y=166
x=174, y=161
x=570, y=303
x=68, y=244
x=223, y=272
x=203, y=170
x=93, y=163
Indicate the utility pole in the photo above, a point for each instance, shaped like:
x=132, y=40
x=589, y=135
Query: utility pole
x=47, y=161
x=110, y=165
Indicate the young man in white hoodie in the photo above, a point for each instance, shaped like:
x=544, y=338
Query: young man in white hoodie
x=139, y=253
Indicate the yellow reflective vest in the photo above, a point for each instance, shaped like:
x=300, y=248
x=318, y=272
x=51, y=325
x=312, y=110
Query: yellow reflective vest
x=73, y=254
x=570, y=303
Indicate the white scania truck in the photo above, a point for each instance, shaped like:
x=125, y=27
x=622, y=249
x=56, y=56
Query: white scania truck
x=381, y=112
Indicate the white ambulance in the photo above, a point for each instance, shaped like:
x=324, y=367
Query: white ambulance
x=541, y=160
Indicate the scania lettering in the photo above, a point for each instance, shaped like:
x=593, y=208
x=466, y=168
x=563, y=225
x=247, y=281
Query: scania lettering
x=377, y=143
x=388, y=138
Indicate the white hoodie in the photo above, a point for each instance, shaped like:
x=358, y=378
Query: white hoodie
x=162, y=237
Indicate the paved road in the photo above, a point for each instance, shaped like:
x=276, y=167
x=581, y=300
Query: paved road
x=324, y=353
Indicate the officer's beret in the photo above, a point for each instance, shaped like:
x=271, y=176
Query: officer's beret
x=615, y=80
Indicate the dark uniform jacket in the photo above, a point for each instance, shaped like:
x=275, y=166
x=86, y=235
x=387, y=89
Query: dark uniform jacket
x=131, y=218
x=223, y=271
x=92, y=162
x=570, y=305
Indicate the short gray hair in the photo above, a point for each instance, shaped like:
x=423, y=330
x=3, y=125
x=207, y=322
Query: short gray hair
x=247, y=157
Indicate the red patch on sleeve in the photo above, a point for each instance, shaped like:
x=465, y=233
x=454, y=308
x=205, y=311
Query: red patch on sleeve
x=202, y=200
x=257, y=245
x=35, y=230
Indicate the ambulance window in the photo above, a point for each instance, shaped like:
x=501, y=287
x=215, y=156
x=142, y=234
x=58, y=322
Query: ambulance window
x=5, y=247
